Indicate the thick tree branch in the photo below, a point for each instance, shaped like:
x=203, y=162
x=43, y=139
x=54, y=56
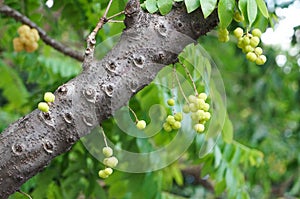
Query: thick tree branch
x=6, y=10
x=147, y=44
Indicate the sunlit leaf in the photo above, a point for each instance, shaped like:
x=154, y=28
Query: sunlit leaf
x=225, y=12
x=207, y=7
x=251, y=11
x=191, y=5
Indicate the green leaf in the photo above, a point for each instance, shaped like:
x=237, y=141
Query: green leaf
x=251, y=11
x=229, y=177
x=220, y=187
x=243, y=8
x=164, y=6
x=151, y=6
x=191, y=5
x=263, y=8
x=225, y=12
x=177, y=175
x=227, y=133
x=12, y=86
x=207, y=6
x=218, y=156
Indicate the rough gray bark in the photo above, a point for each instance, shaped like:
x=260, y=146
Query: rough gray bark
x=29, y=144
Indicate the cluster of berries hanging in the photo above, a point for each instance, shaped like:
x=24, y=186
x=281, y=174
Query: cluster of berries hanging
x=248, y=42
x=28, y=39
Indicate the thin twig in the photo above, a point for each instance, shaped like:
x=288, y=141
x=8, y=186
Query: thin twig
x=25, y=194
x=91, y=39
x=107, y=8
x=115, y=15
x=104, y=136
x=115, y=21
x=8, y=11
x=136, y=118
x=179, y=85
x=190, y=76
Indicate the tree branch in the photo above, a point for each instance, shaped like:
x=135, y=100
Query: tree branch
x=147, y=44
x=6, y=10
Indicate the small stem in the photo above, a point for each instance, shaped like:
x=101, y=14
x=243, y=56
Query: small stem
x=115, y=21
x=107, y=8
x=115, y=15
x=190, y=76
x=136, y=119
x=104, y=137
x=179, y=85
x=25, y=194
x=245, y=148
x=91, y=41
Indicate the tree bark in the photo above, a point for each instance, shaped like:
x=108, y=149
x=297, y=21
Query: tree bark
x=29, y=144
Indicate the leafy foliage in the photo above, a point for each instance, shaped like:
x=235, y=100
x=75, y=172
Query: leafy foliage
x=249, y=8
x=257, y=154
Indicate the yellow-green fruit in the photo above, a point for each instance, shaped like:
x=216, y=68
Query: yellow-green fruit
x=202, y=96
x=205, y=107
x=171, y=102
x=111, y=162
x=18, y=45
x=167, y=127
x=251, y=56
x=108, y=171
x=49, y=97
x=207, y=116
x=238, y=32
x=31, y=47
x=258, y=50
x=238, y=17
x=193, y=107
x=186, y=108
x=35, y=34
x=199, y=128
x=102, y=174
x=176, y=125
x=256, y=32
x=23, y=29
x=240, y=43
x=170, y=119
x=246, y=40
x=43, y=106
x=254, y=41
x=178, y=117
x=107, y=151
x=192, y=98
x=248, y=48
x=200, y=114
x=141, y=124
x=223, y=38
x=261, y=59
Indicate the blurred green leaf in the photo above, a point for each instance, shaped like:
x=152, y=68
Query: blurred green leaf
x=251, y=11
x=151, y=6
x=164, y=6
x=225, y=12
x=207, y=7
x=191, y=5
x=227, y=132
x=263, y=8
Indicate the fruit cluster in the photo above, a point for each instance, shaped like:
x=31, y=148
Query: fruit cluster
x=248, y=42
x=199, y=111
x=28, y=39
x=223, y=35
x=109, y=161
x=49, y=98
x=173, y=122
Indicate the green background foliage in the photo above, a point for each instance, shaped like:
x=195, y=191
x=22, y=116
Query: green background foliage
x=257, y=157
